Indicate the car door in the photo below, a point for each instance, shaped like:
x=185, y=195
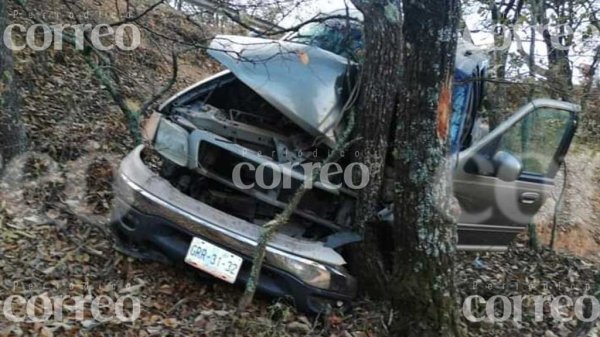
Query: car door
x=503, y=180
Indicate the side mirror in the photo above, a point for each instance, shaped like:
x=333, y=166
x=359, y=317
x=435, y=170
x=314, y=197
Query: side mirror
x=508, y=167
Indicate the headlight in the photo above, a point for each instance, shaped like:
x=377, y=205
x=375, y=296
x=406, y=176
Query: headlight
x=335, y=279
x=171, y=141
x=310, y=272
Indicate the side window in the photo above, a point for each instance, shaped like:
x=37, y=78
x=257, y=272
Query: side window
x=536, y=139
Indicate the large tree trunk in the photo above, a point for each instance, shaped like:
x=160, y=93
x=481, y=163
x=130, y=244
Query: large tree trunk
x=381, y=79
x=12, y=133
x=406, y=103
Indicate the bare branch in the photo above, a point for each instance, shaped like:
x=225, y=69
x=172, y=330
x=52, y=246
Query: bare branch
x=315, y=19
x=165, y=88
x=106, y=73
x=271, y=227
x=538, y=70
x=137, y=17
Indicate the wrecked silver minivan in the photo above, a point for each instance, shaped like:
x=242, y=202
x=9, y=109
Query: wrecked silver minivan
x=281, y=102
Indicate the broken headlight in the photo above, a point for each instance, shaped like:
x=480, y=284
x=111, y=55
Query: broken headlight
x=315, y=274
x=310, y=272
x=171, y=141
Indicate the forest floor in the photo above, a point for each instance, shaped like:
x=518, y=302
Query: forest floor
x=579, y=213
x=76, y=137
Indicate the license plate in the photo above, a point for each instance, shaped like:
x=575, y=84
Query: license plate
x=213, y=260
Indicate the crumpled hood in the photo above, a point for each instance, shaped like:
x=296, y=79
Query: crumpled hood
x=303, y=82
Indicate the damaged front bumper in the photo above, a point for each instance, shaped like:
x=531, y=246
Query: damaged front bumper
x=154, y=217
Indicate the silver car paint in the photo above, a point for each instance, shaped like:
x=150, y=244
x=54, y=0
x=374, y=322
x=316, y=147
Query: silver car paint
x=303, y=82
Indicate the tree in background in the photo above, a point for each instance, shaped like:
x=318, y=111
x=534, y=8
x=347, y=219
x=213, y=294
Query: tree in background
x=504, y=15
x=403, y=118
x=566, y=37
x=591, y=69
x=12, y=132
x=567, y=16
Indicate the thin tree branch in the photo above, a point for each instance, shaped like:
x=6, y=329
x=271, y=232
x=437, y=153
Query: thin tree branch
x=538, y=70
x=137, y=17
x=165, y=88
x=315, y=19
x=107, y=75
x=271, y=227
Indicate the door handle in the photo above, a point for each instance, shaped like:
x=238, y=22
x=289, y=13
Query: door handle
x=529, y=198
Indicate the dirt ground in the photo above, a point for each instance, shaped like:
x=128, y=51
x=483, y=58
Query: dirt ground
x=578, y=220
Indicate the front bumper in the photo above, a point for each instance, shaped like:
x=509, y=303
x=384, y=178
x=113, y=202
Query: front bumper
x=152, y=214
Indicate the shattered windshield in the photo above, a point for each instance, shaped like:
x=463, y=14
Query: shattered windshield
x=339, y=36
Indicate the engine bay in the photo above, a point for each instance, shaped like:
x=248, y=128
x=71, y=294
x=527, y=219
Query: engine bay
x=232, y=116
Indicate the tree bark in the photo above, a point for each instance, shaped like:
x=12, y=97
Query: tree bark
x=406, y=102
x=560, y=73
x=12, y=132
x=498, y=91
x=381, y=77
x=589, y=84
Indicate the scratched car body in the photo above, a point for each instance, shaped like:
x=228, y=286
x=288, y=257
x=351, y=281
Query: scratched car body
x=282, y=102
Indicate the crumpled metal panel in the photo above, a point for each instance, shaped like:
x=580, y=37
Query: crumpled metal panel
x=469, y=57
x=303, y=82
x=141, y=188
